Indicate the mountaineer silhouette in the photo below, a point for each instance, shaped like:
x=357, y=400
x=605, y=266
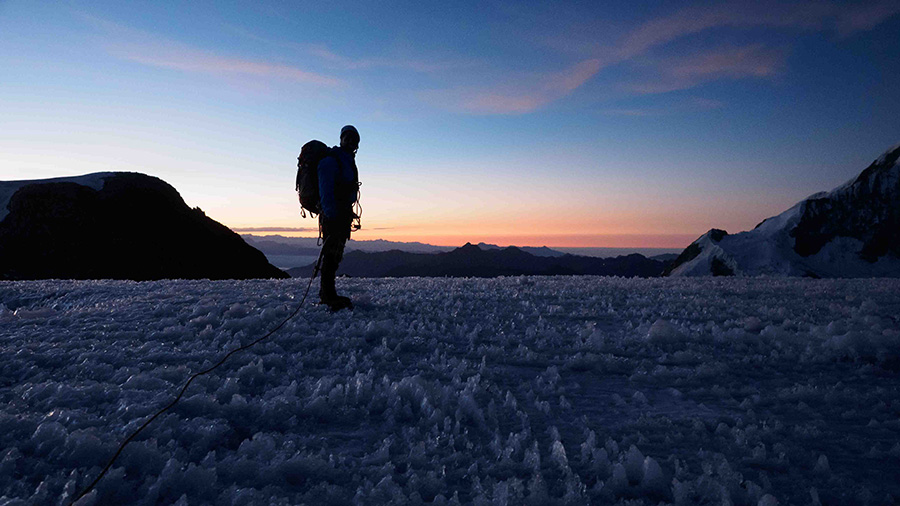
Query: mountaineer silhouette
x=328, y=185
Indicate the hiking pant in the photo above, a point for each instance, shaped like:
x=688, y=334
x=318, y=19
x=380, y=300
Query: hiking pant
x=335, y=233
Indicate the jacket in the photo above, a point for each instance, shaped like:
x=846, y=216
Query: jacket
x=338, y=184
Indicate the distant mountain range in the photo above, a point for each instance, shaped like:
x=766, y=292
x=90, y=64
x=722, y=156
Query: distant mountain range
x=474, y=261
x=281, y=245
x=289, y=249
x=118, y=225
x=851, y=231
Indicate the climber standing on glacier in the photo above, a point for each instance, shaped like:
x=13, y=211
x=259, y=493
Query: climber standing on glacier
x=338, y=190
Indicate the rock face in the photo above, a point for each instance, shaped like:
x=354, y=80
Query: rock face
x=851, y=231
x=117, y=225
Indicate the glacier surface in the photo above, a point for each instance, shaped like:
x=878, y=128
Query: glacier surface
x=522, y=390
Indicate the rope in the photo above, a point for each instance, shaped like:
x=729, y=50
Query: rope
x=357, y=208
x=191, y=379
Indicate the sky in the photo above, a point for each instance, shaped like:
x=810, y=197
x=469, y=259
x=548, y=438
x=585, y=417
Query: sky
x=579, y=124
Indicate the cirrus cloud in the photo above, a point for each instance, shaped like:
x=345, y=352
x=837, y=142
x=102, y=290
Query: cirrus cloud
x=751, y=61
x=153, y=50
x=754, y=60
x=523, y=96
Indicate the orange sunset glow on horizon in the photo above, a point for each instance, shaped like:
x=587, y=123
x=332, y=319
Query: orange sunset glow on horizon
x=668, y=241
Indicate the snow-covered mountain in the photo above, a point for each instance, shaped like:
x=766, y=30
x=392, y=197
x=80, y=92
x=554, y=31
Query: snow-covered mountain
x=851, y=231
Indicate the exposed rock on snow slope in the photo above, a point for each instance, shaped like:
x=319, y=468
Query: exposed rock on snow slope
x=851, y=231
x=119, y=225
x=448, y=391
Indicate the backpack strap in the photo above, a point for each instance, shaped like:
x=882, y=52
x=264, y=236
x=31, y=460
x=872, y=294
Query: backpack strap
x=337, y=156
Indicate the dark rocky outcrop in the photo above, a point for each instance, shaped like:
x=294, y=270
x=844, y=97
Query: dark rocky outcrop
x=134, y=227
x=868, y=209
x=694, y=249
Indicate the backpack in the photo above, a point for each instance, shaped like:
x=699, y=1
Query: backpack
x=307, y=185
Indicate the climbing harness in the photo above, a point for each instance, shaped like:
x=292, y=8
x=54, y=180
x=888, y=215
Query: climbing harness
x=191, y=379
x=355, y=222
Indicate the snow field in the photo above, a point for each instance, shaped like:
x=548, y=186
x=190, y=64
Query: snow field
x=525, y=390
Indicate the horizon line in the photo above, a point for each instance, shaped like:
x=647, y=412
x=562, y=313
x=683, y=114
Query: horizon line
x=582, y=241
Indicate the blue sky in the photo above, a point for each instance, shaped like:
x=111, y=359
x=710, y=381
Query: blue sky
x=564, y=123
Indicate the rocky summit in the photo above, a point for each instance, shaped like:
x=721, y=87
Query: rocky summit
x=116, y=225
x=851, y=231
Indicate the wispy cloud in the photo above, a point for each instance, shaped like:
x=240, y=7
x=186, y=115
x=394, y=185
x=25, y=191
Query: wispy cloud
x=154, y=50
x=749, y=61
x=332, y=58
x=199, y=61
x=695, y=19
x=804, y=15
x=523, y=96
x=415, y=64
x=691, y=104
x=867, y=16
x=752, y=61
x=632, y=51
